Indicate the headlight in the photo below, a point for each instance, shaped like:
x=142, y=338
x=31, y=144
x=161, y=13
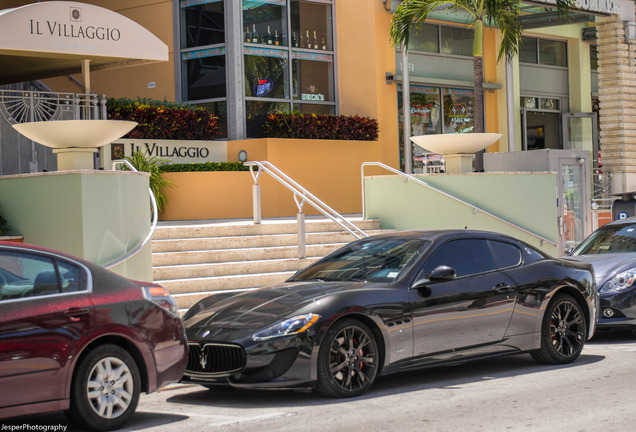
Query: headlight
x=291, y=326
x=620, y=282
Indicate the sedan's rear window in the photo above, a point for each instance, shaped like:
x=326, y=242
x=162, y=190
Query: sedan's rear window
x=28, y=275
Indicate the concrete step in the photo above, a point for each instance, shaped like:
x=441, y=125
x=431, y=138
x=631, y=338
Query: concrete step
x=229, y=255
x=192, y=259
x=230, y=268
x=242, y=227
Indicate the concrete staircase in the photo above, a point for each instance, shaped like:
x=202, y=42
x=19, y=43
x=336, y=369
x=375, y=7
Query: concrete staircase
x=192, y=259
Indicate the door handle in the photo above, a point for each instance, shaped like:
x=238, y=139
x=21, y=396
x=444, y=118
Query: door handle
x=75, y=314
x=502, y=288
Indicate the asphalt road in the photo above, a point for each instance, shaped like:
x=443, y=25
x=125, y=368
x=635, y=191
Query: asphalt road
x=596, y=393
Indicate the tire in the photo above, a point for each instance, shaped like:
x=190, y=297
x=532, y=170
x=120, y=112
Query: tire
x=563, y=331
x=105, y=389
x=348, y=360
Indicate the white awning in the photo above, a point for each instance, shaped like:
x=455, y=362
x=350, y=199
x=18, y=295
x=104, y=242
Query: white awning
x=52, y=38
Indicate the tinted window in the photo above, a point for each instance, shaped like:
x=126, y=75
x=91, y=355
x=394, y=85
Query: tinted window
x=26, y=275
x=609, y=239
x=506, y=255
x=377, y=259
x=466, y=256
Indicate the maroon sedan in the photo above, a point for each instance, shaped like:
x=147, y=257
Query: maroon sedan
x=79, y=338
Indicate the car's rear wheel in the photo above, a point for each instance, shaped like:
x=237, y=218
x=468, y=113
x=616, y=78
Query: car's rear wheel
x=563, y=331
x=347, y=360
x=105, y=389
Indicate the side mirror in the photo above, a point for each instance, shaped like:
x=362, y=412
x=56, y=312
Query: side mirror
x=569, y=251
x=443, y=273
x=439, y=274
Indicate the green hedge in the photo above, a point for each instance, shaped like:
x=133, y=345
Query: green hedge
x=207, y=166
x=164, y=120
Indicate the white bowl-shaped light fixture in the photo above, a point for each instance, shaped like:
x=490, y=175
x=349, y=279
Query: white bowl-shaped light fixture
x=75, y=133
x=456, y=143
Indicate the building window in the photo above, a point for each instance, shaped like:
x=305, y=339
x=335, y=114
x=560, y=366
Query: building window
x=434, y=38
x=435, y=110
x=203, y=56
x=543, y=52
x=288, y=59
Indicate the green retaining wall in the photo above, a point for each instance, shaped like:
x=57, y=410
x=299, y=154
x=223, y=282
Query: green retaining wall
x=527, y=200
x=95, y=215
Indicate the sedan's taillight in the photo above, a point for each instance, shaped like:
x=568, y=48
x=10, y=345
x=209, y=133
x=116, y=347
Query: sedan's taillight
x=162, y=297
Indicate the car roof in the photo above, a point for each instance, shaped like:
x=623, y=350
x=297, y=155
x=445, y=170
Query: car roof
x=447, y=233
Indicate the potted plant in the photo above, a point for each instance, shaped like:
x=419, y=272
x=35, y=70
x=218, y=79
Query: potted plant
x=5, y=229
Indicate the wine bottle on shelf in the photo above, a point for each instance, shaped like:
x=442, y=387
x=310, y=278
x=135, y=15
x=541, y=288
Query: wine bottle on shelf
x=324, y=45
x=269, y=40
x=248, y=35
x=315, y=40
x=294, y=40
x=255, y=36
x=276, y=38
x=308, y=41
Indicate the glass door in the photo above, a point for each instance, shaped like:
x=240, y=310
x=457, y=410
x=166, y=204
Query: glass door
x=574, y=204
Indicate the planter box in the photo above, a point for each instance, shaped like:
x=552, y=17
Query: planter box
x=12, y=239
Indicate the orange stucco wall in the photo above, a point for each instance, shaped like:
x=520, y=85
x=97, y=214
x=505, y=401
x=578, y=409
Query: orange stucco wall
x=329, y=169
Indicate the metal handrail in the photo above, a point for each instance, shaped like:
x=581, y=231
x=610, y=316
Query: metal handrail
x=301, y=195
x=476, y=209
x=153, y=225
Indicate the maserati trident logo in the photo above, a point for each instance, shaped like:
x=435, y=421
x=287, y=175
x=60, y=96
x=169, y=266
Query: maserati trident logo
x=204, y=360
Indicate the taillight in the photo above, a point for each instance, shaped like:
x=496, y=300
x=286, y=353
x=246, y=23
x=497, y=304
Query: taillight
x=161, y=297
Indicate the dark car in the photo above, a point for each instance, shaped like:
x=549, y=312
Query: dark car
x=391, y=303
x=79, y=338
x=611, y=250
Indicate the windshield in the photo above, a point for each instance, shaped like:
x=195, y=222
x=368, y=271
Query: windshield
x=378, y=259
x=609, y=239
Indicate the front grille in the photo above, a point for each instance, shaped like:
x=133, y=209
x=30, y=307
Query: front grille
x=215, y=359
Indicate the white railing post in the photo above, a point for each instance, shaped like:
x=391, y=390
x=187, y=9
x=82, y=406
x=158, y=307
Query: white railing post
x=256, y=203
x=302, y=243
x=256, y=196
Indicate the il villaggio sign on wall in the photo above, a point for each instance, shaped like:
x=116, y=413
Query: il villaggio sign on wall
x=175, y=151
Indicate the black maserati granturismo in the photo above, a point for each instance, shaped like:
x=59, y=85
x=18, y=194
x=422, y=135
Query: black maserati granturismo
x=390, y=303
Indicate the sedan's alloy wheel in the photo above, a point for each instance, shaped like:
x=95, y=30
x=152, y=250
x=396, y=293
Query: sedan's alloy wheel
x=106, y=389
x=110, y=387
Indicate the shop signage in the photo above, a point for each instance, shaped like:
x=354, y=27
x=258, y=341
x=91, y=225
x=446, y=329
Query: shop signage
x=312, y=57
x=459, y=119
x=604, y=6
x=263, y=87
x=313, y=97
x=212, y=52
x=176, y=151
x=65, y=27
x=265, y=52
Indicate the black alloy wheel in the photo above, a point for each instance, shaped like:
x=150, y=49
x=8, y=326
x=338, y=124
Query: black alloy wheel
x=105, y=390
x=347, y=360
x=563, y=332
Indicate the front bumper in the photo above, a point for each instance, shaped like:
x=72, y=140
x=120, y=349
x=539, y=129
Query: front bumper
x=286, y=363
x=617, y=309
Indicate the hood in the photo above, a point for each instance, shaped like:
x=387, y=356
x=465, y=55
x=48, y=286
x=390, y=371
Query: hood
x=244, y=313
x=606, y=265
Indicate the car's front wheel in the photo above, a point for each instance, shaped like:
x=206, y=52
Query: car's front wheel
x=105, y=389
x=563, y=331
x=347, y=360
